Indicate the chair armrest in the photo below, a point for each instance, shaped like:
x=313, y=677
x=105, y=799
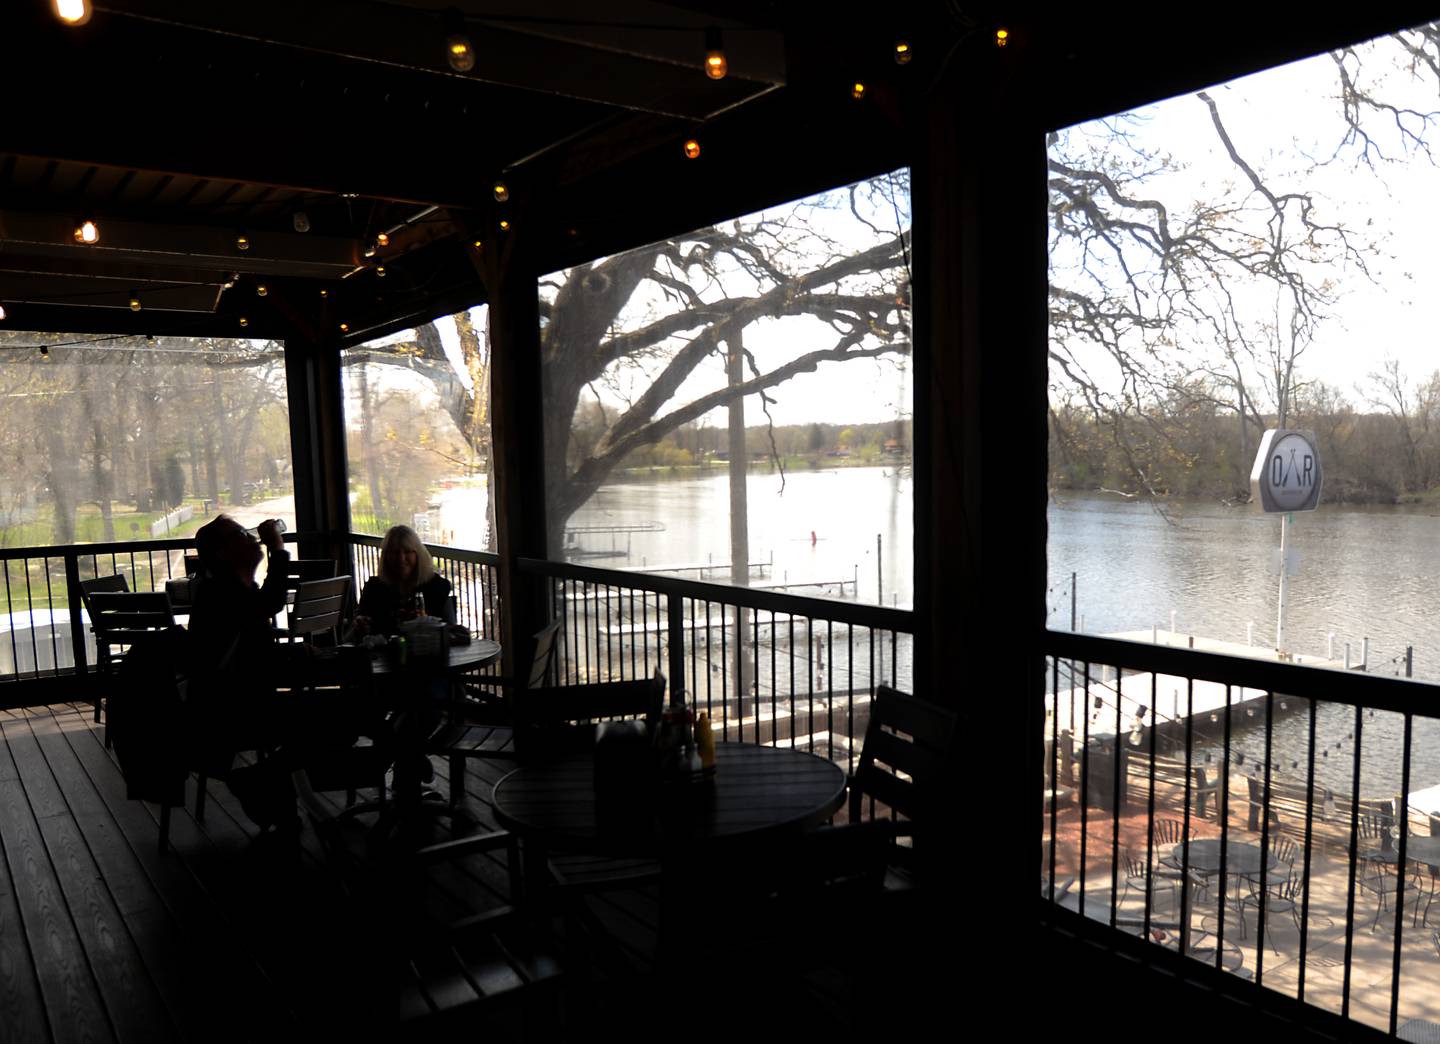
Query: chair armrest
x=464, y=846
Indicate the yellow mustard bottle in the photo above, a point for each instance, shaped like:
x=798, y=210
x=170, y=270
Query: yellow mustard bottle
x=704, y=740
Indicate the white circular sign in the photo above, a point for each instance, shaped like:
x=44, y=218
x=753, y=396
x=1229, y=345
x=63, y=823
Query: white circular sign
x=1291, y=471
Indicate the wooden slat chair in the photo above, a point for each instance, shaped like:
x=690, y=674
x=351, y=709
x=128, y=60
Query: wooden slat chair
x=487, y=970
x=299, y=571
x=478, y=728
x=101, y=585
x=907, y=779
x=319, y=607
x=118, y=619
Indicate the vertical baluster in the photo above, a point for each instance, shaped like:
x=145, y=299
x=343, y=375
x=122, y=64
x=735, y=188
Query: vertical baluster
x=1185, y=829
x=1402, y=813
x=1085, y=787
x=774, y=685
x=30, y=606
x=1150, y=799
x=830, y=697
x=50, y=601
x=1224, y=835
x=1054, y=770
x=1309, y=840
x=1264, y=901
x=1354, y=852
x=1115, y=816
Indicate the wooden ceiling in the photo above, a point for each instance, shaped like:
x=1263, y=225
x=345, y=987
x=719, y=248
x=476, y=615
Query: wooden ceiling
x=312, y=128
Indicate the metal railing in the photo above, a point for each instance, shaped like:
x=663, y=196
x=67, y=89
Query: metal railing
x=1191, y=799
x=766, y=667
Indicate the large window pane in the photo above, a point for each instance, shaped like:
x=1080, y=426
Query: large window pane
x=418, y=431
x=734, y=404
x=130, y=438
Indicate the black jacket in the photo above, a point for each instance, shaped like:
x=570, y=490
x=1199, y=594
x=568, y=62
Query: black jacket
x=382, y=603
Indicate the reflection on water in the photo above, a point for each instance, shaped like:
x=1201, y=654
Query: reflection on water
x=822, y=529
x=1364, y=572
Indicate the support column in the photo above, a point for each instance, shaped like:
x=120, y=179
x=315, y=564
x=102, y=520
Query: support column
x=317, y=444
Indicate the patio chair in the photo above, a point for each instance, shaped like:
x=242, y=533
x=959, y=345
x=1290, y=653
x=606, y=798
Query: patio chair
x=317, y=609
x=455, y=974
x=118, y=619
x=104, y=661
x=904, y=777
x=1379, y=877
x=1376, y=831
x=483, y=728
x=1285, y=895
x=299, y=571
x=1140, y=874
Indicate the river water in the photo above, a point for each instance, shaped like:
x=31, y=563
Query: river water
x=1368, y=571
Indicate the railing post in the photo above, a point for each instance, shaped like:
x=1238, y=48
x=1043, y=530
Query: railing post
x=77, y=623
x=675, y=625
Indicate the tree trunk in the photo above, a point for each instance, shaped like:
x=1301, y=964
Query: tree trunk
x=63, y=476
x=367, y=445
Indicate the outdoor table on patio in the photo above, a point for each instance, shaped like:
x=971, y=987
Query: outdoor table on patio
x=1242, y=859
x=407, y=686
x=758, y=797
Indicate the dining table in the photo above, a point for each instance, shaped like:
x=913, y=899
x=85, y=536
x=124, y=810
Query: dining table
x=701, y=832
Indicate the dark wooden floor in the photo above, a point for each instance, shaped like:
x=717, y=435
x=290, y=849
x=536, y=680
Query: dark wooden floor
x=227, y=936
x=230, y=936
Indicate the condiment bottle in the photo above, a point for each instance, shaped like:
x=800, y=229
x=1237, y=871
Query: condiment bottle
x=705, y=740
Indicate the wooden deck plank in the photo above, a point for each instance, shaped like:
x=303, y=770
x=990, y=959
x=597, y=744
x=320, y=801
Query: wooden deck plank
x=223, y=973
x=70, y=993
x=134, y=1005
x=22, y=1008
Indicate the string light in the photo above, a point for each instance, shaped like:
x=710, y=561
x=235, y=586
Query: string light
x=242, y=241
x=692, y=148
x=479, y=244
x=383, y=239
x=380, y=271
x=903, y=54
x=3, y=314
x=715, y=65
x=87, y=232
x=44, y=353
x=370, y=250
x=244, y=321
x=72, y=12
x=134, y=301
x=502, y=192
x=150, y=340
x=261, y=289
x=1002, y=37
x=300, y=221
x=459, y=51
x=857, y=90
x=344, y=327
x=504, y=225
x=324, y=293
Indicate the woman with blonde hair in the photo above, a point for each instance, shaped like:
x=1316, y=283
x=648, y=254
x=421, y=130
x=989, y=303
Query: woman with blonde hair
x=406, y=569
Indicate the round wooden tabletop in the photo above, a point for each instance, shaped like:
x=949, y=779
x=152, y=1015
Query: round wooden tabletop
x=477, y=653
x=755, y=791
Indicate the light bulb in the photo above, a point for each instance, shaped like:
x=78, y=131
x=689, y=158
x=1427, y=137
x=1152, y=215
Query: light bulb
x=72, y=12
x=479, y=244
x=45, y=353
x=150, y=340
x=344, y=327
x=244, y=321
x=380, y=271
x=134, y=301
x=87, y=232
x=459, y=51
x=261, y=289
x=3, y=313
x=692, y=148
x=504, y=225
x=370, y=250
x=324, y=293
x=857, y=90
x=242, y=241
x=715, y=65
x=1002, y=37
x=502, y=192
x=903, y=53
x=301, y=221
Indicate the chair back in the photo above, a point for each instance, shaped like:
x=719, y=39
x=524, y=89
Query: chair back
x=1168, y=831
x=192, y=565
x=319, y=605
x=562, y=719
x=545, y=650
x=903, y=763
x=101, y=585
x=119, y=617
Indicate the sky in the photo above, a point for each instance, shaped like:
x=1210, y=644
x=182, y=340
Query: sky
x=1283, y=121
